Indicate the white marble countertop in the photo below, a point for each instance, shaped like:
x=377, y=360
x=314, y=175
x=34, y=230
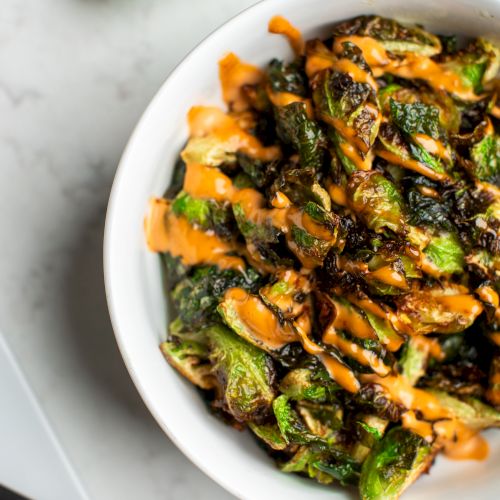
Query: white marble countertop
x=76, y=75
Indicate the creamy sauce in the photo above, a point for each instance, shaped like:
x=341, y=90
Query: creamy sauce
x=403, y=392
x=411, y=66
x=207, y=182
x=259, y=319
x=460, y=442
x=358, y=75
x=348, y=319
x=282, y=26
x=354, y=155
x=233, y=74
x=363, y=356
x=411, y=164
x=389, y=276
x=281, y=200
x=461, y=303
x=488, y=295
x=205, y=120
x=495, y=337
x=285, y=98
x=433, y=146
x=167, y=233
x=420, y=427
x=338, y=194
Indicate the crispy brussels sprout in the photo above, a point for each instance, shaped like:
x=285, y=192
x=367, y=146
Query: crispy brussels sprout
x=413, y=361
x=292, y=428
x=476, y=65
x=439, y=310
x=394, y=464
x=470, y=411
x=197, y=296
x=348, y=105
x=445, y=253
x=263, y=232
x=287, y=295
x=251, y=319
x=415, y=137
x=288, y=77
x=207, y=214
x=208, y=150
x=486, y=159
x=306, y=137
x=244, y=373
x=189, y=358
x=393, y=36
x=377, y=201
x=269, y=434
x=300, y=185
x=259, y=172
x=305, y=384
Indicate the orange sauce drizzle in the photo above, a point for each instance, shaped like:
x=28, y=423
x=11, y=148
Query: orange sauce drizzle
x=259, y=319
x=389, y=276
x=286, y=98
x=233, y=74
x=412, y=66
x=359, y=75
x=348, y=319
x=462, y=303
x=433, y=146
x=353, y=154
x=204, y=120
x=281, y=26
x=207, y=182
x=489, y=295
x=167, y=233
x=411, y=164
x=460, y=442
x=355, y=351
x=420, y=427
x=337, y=194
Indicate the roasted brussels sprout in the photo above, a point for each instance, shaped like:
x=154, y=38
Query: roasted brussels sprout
x=394, y=464
x=244, y=373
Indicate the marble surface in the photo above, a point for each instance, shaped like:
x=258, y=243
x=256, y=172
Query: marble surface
x=76, y=75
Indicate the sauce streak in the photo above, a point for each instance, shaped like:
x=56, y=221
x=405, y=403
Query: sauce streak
x=167, y=233
x=205, y=120
x=281, y=26
x=233, y=74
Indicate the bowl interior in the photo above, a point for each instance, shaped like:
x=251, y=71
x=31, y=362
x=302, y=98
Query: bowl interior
x=133, y=280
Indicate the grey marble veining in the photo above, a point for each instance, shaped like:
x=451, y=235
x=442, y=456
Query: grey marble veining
x=75, y=76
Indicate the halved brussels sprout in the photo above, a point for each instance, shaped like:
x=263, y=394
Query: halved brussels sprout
x=485, y=155
x=377, y=201
x=208, y=150
x=438, y=310
x=244, y=373
x=189, y=358
x=470, y=411
x=394, y=464
x=270, y=434
x=392, y=35
x=294, y=127
x=288, y=77
x=445, y=253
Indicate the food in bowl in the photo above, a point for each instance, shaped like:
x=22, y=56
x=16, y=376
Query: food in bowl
x=332, y=251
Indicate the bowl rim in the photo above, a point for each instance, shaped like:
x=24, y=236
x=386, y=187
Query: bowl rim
x=108, y=229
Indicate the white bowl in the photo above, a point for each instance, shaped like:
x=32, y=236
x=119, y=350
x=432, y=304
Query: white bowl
x=133, y=283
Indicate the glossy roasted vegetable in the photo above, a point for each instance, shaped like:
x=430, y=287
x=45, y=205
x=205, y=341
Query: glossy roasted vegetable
x=244, y=374
x=331, y=249
x=394, y=464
